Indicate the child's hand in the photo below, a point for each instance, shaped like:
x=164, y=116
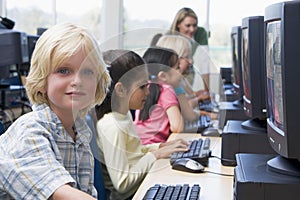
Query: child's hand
x=202, y=95
x=213, y=116
x=166, y=149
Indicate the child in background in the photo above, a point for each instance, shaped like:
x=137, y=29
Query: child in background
x=161, y=114
x=45, y=154
x=183, y=48
x=125, y=160
x=188, y=98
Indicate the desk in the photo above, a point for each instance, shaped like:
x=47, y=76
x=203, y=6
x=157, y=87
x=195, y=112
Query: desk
x=213, y=186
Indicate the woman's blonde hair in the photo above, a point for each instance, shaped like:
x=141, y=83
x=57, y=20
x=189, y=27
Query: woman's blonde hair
x=178, y=43
x=56, y=45
x=180, y=16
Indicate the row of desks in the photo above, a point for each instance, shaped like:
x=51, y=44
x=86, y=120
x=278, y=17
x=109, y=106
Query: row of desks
x=213, y=184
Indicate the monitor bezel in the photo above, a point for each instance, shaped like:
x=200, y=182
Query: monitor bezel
x=282, y=143
x=255, y=107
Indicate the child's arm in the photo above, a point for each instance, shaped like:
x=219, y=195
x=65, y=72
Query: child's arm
x=66, y=192
x=175, y=119
x=195, y=96
x=187, y=110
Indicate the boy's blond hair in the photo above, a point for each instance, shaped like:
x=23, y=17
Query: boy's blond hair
x=56, y=45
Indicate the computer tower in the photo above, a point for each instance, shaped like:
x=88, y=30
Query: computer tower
x=229, y=111
x=253, y=180
x=236, y=139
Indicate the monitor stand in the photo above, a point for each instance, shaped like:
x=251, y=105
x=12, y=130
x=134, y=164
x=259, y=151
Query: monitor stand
x=286, y=166
x=254, y=180
x=236, y=139
x=255, y=125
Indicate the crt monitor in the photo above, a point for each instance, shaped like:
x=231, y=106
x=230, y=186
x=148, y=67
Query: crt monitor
x=282, y=23
x=237, y=80
x=13, y=47
x=253, y=73
x=32, y=40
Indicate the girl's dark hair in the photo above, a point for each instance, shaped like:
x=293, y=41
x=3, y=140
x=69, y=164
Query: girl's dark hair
x=158, y=59
x=119, y=62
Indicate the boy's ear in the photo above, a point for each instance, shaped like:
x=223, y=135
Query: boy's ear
x=43, y=90
x=120, y=89
x=162, y=76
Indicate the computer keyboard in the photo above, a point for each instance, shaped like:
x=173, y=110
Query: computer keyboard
x=173, y=192
x=209, y=106
x=199, y=151
x=198, y=126
x=203, y=122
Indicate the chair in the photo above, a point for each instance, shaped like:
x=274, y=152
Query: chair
x=2, y=129
x=103, y=194
x=98, y=181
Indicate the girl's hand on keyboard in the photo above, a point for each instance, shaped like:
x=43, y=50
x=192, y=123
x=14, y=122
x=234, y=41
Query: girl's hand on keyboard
x=213, y=116
x=166, y=149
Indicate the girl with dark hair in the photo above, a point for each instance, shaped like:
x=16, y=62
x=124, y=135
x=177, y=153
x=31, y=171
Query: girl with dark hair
x=161, y=114
x=125, y=160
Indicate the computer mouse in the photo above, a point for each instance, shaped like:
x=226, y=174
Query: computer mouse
x=188, y=165
x=211, y=132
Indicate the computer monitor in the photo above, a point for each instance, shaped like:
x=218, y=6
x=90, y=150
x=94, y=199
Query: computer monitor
x=282, y=23
x=253, y=73
x=237, y=80
x=31, y=39
x=13, y=47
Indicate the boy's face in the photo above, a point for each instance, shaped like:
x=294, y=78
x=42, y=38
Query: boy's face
x=72, y=86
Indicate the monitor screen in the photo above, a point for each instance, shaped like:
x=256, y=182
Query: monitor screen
x=282, y=30
x=237, y=66
x=245, y=74
x=274, y=79
x=235, y=58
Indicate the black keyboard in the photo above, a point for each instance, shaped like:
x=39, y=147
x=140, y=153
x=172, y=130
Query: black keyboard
x=198, y=126
x=209, y=106
x=199, y=151
x=173, y=192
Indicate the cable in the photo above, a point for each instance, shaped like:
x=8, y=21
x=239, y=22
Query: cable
x=211, y=156
x=233, y=162
x=221, y=174
x=217, y=173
